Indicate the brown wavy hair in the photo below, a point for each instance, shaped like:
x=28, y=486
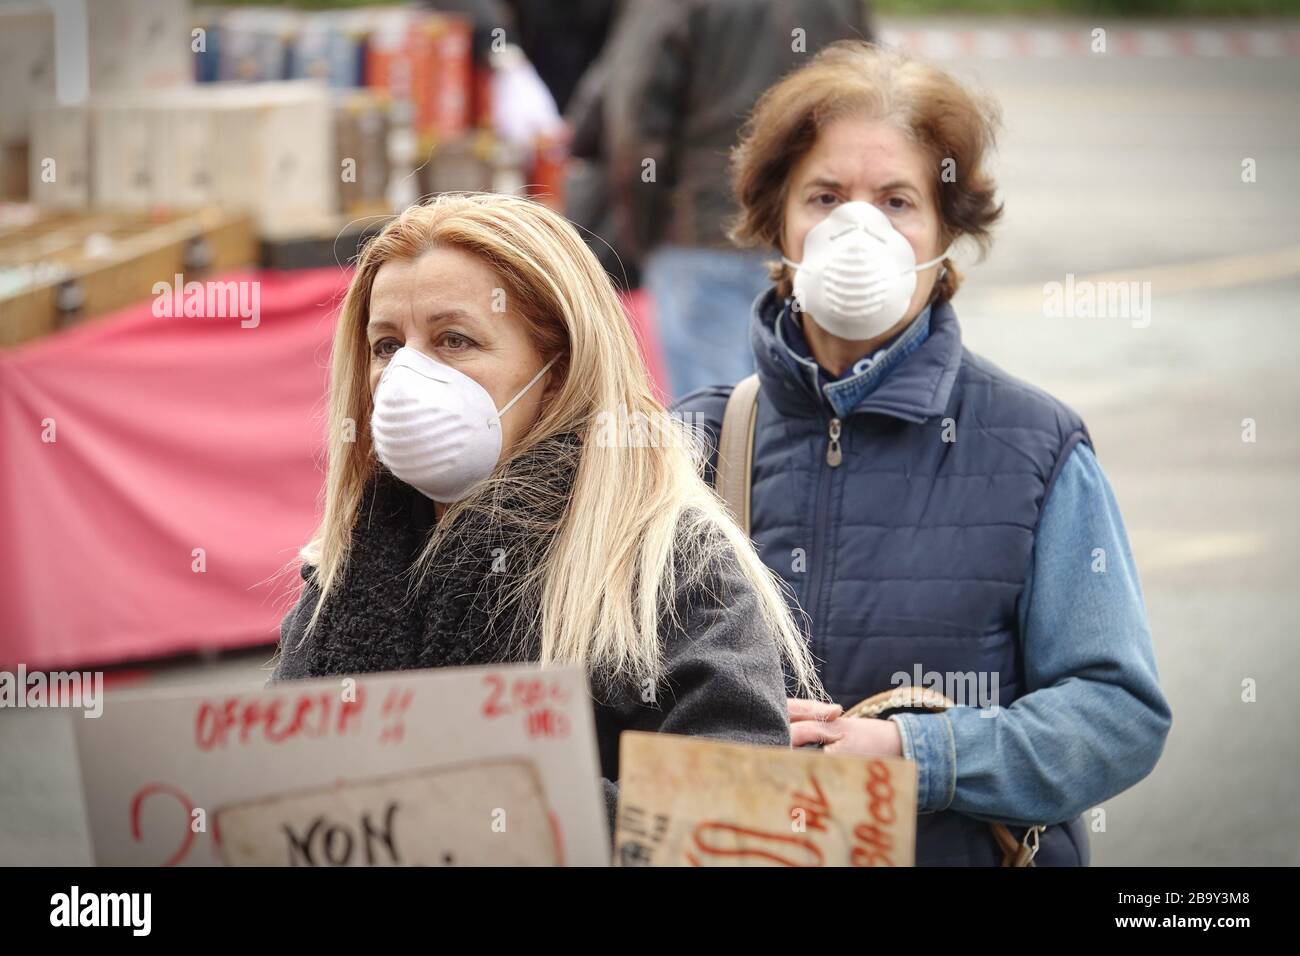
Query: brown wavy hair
x=946, y=119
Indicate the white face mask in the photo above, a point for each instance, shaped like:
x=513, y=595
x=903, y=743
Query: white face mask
x=436, y=428
x=858, y=272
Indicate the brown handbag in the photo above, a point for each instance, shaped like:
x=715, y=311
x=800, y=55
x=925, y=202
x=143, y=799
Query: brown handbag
x=732, y=481
x=879, y=706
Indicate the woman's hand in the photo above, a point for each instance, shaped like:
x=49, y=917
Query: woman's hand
x=812, y=722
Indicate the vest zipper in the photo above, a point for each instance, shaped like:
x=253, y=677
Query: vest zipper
x=833, y=453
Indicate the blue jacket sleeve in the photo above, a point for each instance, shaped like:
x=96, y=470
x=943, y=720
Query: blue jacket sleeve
x=1093, y=720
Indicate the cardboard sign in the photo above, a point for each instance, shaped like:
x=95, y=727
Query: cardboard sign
x=474, y=766
x=688, y=801
x=417, y=819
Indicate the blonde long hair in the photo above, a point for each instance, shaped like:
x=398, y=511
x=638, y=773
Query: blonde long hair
x=641, y=523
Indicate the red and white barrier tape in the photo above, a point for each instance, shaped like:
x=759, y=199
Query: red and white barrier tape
x=946, y=44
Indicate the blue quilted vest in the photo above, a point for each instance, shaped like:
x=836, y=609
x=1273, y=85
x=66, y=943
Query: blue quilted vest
x=914, y=549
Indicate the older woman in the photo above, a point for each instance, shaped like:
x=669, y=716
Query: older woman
x=479, y=507
x=941, y=522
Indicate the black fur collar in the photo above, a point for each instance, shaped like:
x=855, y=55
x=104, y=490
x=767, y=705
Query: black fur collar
x=375, y=620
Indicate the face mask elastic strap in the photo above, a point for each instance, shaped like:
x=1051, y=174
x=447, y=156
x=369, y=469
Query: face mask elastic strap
x=932, y=262
x=524, y=391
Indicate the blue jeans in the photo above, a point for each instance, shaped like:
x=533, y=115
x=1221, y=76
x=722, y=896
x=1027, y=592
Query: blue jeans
x=703, y=300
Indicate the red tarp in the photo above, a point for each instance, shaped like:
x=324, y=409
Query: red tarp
x=171, y=435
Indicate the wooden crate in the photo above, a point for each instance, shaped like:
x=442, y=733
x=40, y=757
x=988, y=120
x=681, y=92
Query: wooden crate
x=265, y=147
x=78, y=266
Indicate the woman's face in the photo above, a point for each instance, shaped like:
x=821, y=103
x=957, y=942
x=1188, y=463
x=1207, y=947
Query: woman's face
x=453, y=307
x=859, y=159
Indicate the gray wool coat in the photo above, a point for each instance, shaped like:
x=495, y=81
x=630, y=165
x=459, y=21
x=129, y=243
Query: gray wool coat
x=722, y=676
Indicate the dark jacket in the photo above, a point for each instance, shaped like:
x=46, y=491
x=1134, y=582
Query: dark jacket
x=681, y=78
x=723, y=673
x=914, y=549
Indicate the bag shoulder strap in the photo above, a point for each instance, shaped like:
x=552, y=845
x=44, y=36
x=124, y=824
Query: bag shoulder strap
x=736, y=449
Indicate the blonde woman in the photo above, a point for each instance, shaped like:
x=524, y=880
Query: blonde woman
x=483, y=506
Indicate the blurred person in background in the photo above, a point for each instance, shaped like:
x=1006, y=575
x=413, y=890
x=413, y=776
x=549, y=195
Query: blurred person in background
x=558, y=45
x=679, y=77
x=586, y=182
x=931, y=513
x=532, y=68
x=491, y=513
x=562, y=41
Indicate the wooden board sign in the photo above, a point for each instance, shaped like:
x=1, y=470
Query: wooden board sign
x=473, y=766
x=689, y=801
